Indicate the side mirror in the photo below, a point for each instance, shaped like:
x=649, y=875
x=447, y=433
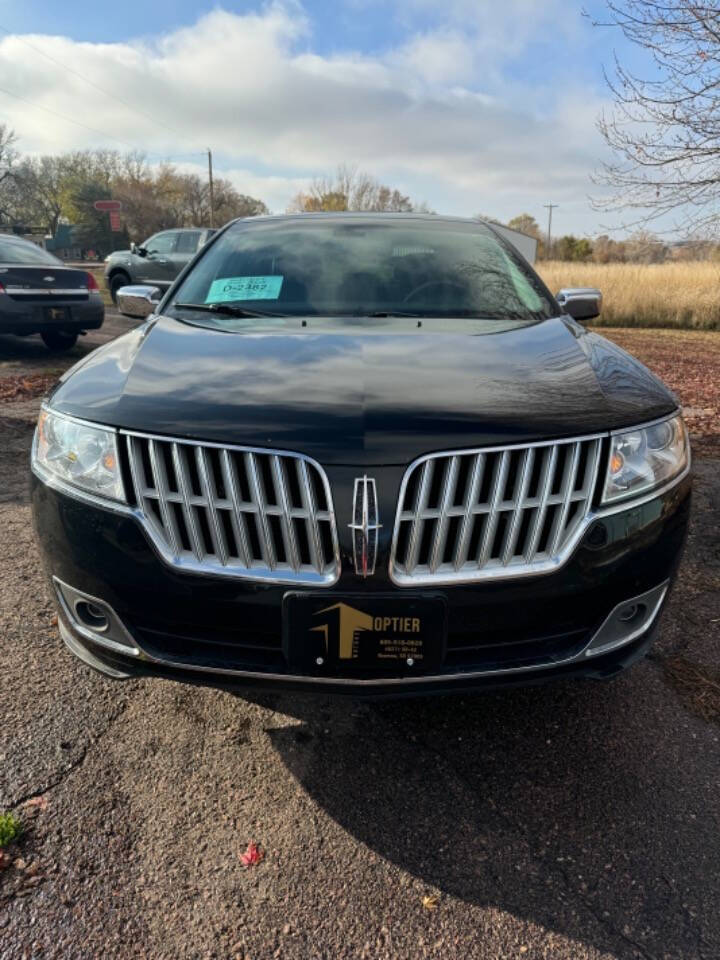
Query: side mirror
x=580, y=303
x=138, y=301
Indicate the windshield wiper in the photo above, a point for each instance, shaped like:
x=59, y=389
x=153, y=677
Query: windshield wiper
x=227, y=309
x=393, y=313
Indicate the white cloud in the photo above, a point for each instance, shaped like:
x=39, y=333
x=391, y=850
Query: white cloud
x=421, y=115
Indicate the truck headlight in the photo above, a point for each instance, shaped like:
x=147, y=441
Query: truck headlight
x=645, y=458
x=78, y=454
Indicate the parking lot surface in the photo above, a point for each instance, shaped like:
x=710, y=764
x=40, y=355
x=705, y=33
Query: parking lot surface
x=577, y=820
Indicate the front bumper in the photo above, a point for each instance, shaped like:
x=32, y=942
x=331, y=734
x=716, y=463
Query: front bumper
x=229, y=632
x=34, y=316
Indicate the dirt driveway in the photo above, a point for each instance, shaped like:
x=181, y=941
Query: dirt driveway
x=570, y=821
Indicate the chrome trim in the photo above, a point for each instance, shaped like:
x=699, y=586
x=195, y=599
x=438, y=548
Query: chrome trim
x=579, y=657
x=562, y=539
x=646, y=624
x=365, y=526
x=50, y=291
x=95, y=636
x=167, y=538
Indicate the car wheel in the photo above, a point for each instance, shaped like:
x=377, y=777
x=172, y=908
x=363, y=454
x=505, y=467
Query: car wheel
x=116, y=281
x=59, y=339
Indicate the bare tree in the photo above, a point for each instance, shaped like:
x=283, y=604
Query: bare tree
x=665, y=126
x=8, y=157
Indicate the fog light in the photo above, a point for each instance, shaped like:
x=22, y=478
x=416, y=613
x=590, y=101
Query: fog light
x=629, y=613
x=94, y=619
x=91, y=615
x=627, y=621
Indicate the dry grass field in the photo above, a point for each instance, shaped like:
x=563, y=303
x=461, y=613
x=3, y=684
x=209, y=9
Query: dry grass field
x=646, y=295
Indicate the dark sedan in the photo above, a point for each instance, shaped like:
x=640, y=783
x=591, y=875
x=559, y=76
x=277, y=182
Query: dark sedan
x=39, y=294
x=360, y=453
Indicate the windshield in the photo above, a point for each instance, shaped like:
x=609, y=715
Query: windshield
x=15, y=251
x=333, y=267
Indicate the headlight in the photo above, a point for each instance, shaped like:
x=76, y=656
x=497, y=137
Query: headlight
x=643, y=459
x=78, y=454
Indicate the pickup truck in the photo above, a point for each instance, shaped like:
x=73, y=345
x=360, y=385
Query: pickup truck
x=157, y=261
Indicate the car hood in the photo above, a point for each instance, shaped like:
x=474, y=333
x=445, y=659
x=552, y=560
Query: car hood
x=353, y=395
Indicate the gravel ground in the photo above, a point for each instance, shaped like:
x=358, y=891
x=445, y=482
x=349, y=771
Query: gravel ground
x=570, y=821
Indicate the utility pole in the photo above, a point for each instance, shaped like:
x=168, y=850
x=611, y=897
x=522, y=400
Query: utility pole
x=549, y=207
x=212, y=194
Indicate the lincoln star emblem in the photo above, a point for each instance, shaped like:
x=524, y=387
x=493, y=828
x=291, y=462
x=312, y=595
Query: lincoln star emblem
x=365, y=526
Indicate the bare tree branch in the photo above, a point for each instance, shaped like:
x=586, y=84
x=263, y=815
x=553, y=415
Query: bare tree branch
x=664, y=129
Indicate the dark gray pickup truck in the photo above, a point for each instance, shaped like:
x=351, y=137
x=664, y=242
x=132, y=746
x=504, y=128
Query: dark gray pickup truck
x=157, y=261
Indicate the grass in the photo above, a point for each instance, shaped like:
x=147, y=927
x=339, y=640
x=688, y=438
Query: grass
x=697, y=685
x=99, y=274
x=10, y=828
x=679, y=295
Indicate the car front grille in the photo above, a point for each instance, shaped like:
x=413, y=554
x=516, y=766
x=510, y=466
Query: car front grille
x=493, y=513
x=237, y=511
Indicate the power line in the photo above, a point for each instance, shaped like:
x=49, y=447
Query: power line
x=62, y=116
x=101, y=133
x=92, y=83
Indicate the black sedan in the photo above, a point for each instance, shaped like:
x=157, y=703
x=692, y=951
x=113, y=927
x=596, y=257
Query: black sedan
x=360, y=453
x=38, y=294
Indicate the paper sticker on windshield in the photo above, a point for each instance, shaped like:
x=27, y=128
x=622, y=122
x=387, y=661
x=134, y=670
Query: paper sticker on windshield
x=244, y=288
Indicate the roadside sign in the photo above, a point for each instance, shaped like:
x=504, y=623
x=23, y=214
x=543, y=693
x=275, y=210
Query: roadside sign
x=107, y=205
x=115, y=221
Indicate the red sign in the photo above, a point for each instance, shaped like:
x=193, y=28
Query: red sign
x=115, y=221
x=107, y=205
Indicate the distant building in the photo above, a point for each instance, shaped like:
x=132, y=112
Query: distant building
x=63, y=244
x=524, y=244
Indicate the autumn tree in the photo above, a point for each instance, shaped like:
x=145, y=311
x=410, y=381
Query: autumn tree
x=527, y=224
x=664, y=127
x=351, y=189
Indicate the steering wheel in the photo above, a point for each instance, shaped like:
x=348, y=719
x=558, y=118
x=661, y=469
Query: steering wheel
x=434, y=283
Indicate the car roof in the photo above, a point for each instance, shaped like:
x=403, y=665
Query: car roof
x=14, y=238
x=362, y=215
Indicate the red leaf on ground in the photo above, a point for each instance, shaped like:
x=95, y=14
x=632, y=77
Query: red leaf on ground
x=252, y=856
x=40, y=802
x=21, y=387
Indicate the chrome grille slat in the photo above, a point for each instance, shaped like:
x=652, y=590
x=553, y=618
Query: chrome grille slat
x=235, y=511
x=161, y=483
x=237, y=517
x=469, y=510
x=311, y=518
x=180, y=463
x=513, y=529
x=443, y=521
x=266, y=543
x=502, y=512
x=286, y=520
x=499, y=481
x=546, y=478
x=216, y=533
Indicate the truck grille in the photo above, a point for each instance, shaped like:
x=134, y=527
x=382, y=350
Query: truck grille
x=237, y=511
x=494, y=513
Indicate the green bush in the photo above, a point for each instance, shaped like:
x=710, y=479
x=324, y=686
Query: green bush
x=10, y=828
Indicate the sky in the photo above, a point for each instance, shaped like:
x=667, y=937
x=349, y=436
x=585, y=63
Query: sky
x=471, y=106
